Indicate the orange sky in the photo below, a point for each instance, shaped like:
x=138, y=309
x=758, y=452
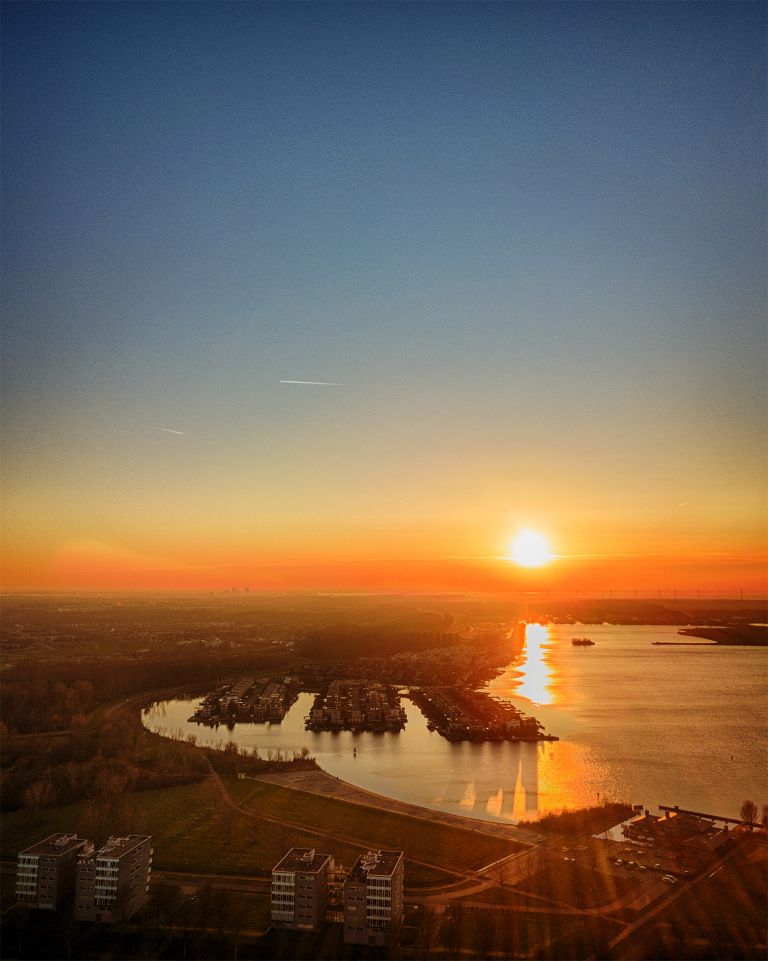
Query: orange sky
x=94, y=565
x=357, y=309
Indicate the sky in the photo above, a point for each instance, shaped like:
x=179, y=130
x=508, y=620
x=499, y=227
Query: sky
x=524, y=244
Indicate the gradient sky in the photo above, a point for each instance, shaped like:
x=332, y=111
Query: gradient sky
x=527, y=240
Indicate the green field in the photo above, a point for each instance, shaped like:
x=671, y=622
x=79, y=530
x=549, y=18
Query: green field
x=192, y=830
x=454, y=849
x=484, y=931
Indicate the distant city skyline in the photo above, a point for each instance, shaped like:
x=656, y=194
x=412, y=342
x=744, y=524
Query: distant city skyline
x=343, y=296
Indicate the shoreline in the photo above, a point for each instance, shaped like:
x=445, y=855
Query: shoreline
x=320, y=782
x=743, y=635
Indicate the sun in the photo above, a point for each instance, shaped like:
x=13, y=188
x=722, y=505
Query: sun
x=529, y=549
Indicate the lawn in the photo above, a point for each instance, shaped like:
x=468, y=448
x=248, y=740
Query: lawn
x=192, y=830
x=455, y=849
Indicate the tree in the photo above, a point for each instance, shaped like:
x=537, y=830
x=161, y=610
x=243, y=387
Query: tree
x=428, y=929
x=39, y=794
x=764, y=818
x=748, y=813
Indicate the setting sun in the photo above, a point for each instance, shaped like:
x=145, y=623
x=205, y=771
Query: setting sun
x=529, y=549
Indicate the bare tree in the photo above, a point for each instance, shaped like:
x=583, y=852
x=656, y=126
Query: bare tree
x=428, y=929
x=39, y=794
x=764, y=817
x=748, y=813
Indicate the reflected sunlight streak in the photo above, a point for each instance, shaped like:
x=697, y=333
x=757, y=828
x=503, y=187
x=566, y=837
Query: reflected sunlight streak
x=536, y=669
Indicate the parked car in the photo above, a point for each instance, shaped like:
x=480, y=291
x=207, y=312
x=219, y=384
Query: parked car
x=669, y=879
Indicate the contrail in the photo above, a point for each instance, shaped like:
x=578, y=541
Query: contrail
x=170, y=430
x=313, y=383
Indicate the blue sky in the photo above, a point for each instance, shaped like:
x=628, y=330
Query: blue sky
x=525, y=236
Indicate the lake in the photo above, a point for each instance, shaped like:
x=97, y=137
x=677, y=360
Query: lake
x=680, y=725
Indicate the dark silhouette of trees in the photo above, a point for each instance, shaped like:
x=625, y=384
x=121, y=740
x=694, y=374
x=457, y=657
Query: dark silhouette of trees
x=748, y=813
x=39, y=794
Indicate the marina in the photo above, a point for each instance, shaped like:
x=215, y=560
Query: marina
x=634, y=722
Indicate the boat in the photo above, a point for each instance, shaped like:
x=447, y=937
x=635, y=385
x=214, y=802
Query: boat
x=582, y=642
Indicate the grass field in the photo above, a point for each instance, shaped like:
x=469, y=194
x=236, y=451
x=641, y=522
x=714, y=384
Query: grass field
x=487, y=932
x=452, y=848
x=193, y=830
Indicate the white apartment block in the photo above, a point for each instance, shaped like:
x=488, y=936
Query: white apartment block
x=300, y=889
x=113, y=883
x=45, y=872
x=373, y=899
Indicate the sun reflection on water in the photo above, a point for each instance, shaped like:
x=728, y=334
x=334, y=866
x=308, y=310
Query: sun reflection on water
x=535, y=670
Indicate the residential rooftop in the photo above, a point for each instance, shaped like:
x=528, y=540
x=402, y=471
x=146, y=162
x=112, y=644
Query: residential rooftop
x=380, y=864
x=55, y=845
x=306, y=860
x=117, y=847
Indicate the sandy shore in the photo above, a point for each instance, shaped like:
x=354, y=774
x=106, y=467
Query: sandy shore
x=320, y=782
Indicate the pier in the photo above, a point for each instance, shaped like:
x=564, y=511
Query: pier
x=707, y=817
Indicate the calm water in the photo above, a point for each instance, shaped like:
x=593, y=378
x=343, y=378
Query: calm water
x=654, y=725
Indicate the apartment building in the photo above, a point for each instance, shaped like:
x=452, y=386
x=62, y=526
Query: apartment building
x=373, y=899
x=300, y=889
x=46, y=872
x=112, y=883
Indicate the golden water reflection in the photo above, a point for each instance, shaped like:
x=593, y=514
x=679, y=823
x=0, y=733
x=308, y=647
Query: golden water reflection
x=536, y=673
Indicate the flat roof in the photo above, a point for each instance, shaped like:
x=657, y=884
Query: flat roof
x=302, y=859
x=117, y=847
x=375, y=864
x=55, y=845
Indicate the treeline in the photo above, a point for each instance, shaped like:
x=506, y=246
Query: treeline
x=590, y=820
x=49, y=695
x=633, y=611
x=97, y=759
x=351, y=641
x=108, y=759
